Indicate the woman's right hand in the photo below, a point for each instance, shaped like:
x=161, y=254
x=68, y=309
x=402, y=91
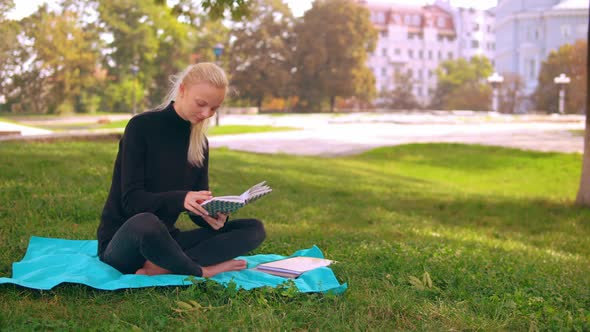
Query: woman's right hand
x=193, y=200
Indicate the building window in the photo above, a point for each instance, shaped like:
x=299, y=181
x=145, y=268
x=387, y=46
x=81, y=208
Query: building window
x=440, y=55
x=429, y=54
x=384, y=52
x=416, y=20
x=410, y=73
x=450, y=55
x=475, y=43
x=383, y=71
x=489, y=28
x=475, y=27
x=420, y=73
x=565, y=31
x=398, y=51
x=411, y=54
x=407, y=19
x=383, y=34
x=429, y=73
x=420, y=54
x=532, y=70
x=537, y=34
x=380, y=18
x=441, y=22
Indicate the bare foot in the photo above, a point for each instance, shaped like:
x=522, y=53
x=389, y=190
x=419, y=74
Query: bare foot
x=151, y=269
x=231, y=265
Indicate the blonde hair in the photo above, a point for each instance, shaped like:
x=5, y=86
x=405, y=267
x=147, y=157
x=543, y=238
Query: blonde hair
x=204, y=72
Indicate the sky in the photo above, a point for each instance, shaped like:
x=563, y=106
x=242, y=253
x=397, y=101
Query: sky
x=25, y=8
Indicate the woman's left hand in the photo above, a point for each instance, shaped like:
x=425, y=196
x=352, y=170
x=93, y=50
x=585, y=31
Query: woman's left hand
x=216, y=223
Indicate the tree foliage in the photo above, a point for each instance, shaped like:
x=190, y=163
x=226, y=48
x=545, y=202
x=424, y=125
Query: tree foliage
x=333, y=41
x=462, y=84
x=402, y=97
x=54, y=56
x=570, y=60
x=262, y=54
x=511, y=93
x=56, y=61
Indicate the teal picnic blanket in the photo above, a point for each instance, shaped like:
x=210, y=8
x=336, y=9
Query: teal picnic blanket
x=49, y=262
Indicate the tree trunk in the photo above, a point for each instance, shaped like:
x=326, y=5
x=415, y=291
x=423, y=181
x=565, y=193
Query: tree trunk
x=332, y=102
x=583, y=197
x=259, y=103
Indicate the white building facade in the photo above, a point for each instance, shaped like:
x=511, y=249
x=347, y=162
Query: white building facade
x=528, y=30
x=415, y=39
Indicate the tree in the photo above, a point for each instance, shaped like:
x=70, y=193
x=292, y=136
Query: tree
x=583, y=196
x=261, y=54
x=5, y=7
x=333, y=42
x=510, y=93
x=570, y=60
x=59, y=58
x=10, y=50
x=462, y=84
x=402, y=97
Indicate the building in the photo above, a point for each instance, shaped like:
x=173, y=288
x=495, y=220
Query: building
x=528, y=30
x=415, y=39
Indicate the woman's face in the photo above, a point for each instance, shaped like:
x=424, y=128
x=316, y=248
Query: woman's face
x=198, y=102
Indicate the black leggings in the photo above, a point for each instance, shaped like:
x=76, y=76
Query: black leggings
x=144, y=237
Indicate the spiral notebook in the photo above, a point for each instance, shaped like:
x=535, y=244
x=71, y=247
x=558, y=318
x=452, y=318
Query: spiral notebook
x=230, y=204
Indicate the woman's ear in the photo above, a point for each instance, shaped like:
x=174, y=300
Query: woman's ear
x=181, y=90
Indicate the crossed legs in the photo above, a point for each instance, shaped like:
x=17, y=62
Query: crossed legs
x=143, y=245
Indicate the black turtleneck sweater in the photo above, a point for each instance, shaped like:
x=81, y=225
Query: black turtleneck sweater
x=152, y=173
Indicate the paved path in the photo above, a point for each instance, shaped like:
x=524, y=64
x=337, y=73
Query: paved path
x=344, y=139
x=332, y=135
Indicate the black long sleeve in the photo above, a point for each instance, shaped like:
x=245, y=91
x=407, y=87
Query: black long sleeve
x=151, y=172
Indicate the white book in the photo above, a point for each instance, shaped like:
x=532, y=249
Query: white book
x=292, y=267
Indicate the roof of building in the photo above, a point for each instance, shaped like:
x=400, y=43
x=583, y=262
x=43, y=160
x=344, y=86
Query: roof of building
x=572, y=4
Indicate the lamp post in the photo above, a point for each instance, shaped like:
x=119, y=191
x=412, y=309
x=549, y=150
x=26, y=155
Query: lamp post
x=218, y=51
x=134, y=70
x=495, y=80
x=561, y=81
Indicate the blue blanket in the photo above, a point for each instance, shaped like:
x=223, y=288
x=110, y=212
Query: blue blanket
x=49, y=262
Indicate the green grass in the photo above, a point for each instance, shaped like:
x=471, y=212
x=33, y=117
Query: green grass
x=241, y=129
x=579, y=132
x=120, y=124
x=495, y=229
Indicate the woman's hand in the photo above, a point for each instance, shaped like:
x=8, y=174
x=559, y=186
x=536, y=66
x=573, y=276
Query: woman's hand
x=193, y=200
x=216, y=223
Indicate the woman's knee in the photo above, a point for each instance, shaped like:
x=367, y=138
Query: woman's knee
x=146, y=223
x=256, y=228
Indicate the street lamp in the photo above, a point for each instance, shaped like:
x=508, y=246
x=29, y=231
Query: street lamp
x=218, y=51
x=495, y=80
x=134, y=71
x=561, y=81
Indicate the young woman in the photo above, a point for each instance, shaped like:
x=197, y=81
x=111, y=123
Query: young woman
x=161, y=170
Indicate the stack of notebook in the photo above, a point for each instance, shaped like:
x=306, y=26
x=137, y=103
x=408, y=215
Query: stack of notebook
x=292, y=267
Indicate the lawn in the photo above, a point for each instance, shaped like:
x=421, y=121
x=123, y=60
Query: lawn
x=494, y=229
x=120, y=125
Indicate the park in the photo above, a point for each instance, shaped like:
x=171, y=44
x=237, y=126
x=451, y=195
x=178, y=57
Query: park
x=438, y=219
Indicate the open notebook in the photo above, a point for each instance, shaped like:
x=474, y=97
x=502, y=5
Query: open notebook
x=229, y=204
x=292, y=267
